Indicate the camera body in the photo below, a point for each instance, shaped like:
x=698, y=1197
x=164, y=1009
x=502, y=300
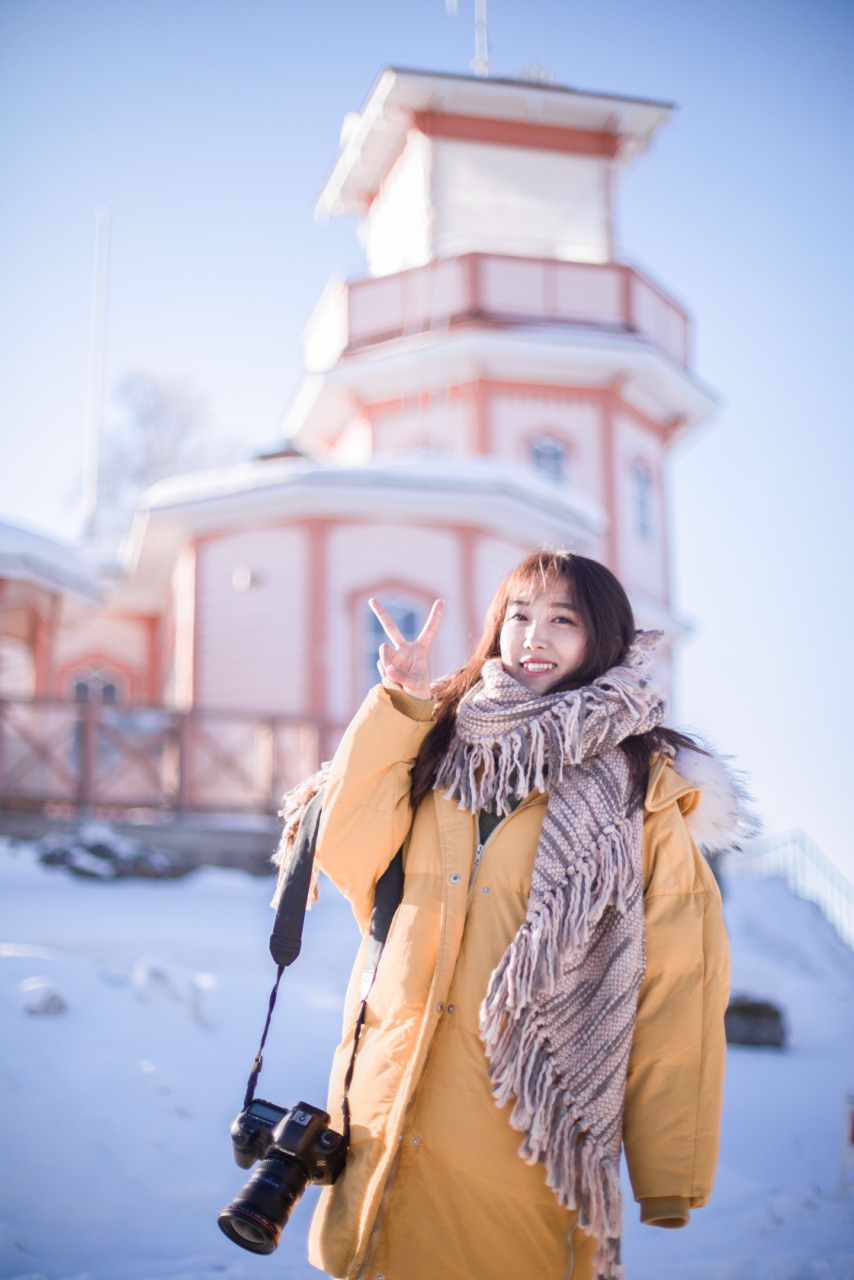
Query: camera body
x=252, y=1131
x=299, y=1133
x=295, y=1146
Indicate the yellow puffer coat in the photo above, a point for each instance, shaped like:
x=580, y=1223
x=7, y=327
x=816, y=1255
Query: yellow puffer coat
x=434, y=1185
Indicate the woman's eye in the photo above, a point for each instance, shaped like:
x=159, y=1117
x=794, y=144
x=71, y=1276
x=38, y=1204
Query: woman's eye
x=517, y=617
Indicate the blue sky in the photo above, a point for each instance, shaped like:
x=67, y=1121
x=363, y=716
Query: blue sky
x=207, y=126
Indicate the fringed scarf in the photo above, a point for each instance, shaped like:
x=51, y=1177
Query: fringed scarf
x=558, y=1016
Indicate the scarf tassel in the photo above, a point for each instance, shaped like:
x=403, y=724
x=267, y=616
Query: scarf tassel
x=577, y=1170
x=559, y=927
x=583, y=1178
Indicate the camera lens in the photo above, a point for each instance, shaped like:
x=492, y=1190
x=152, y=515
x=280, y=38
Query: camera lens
x=248, y=1230
x=256, y=1216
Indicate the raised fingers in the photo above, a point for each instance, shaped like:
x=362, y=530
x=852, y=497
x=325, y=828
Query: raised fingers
x=431, y=626
x=387, y=622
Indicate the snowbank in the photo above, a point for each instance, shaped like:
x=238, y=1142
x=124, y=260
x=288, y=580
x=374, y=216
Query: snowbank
x=117, y=1096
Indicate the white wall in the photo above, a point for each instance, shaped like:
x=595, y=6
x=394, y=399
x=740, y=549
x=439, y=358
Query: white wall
x=502, y=199
x=494, y=558
x=444, y=425
x=17, y=668
x=252, y=621
x=124, y=639
x=642, y=560
x=397, y=228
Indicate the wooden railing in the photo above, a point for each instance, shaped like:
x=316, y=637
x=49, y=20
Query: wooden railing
x=65, y=757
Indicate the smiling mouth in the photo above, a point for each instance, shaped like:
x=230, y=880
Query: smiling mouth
x=538, y=668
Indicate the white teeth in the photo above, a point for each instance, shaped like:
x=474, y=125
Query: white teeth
x=538, y=666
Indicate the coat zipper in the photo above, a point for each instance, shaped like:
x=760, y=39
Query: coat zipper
x=570, y=1252
x=478, y=855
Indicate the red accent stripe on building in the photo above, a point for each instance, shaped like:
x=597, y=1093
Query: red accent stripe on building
x=518, y=133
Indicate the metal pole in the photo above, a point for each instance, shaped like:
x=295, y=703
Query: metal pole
x=481, y=39
x=95, y=371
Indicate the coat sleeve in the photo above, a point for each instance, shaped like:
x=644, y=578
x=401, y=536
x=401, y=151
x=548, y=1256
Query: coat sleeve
x=674, y=1090
x=366, y=810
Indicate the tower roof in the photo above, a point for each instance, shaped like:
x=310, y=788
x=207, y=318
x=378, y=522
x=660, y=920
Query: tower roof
x=513, y=112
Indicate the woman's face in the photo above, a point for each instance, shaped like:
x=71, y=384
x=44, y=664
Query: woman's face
x=542, y=638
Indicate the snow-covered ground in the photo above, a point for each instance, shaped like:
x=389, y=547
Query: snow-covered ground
x=115, y=1107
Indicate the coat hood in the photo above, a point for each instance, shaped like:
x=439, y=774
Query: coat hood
x=723, y=816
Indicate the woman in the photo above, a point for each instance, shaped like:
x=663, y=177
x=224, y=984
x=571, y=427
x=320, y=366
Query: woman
x=556, y=974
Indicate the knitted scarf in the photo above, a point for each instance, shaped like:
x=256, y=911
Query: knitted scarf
x=558, y=1016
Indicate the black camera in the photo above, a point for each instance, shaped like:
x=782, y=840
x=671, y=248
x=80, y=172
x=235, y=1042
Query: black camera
x=295, y=1147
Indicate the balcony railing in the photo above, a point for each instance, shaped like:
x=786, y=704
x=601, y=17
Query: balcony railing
x=66, y=757
x=492, y=290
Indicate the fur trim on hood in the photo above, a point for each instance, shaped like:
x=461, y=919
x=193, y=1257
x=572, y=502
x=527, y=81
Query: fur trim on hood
x=724, y=817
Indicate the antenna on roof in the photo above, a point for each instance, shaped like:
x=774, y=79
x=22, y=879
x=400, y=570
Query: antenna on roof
x=480, y=62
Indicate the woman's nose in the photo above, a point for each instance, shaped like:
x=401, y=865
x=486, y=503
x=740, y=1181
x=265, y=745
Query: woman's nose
x=533, y=639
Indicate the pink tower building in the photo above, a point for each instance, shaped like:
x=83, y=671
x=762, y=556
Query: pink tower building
x=499, y=379
x=521, y=382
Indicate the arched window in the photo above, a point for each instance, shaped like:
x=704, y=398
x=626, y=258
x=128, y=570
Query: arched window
x=550, y=457
x=642, y=498
x=96, y=684
x=405, y=614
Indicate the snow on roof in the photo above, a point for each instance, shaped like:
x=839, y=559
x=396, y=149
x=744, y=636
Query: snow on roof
x=27, y=556
x=241, y=477
x=423, y=470
x=495, y=495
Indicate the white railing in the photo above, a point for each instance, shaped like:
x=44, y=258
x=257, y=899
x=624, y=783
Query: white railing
x=808, y=872
x=493, y=290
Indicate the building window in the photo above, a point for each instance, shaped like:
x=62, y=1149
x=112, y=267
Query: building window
x=550, y=458
x=405, y=615
x=97, y=684
x=642, y=498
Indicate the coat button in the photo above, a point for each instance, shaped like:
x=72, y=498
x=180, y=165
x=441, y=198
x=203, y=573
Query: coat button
x=452, y=1008
x=485, y=889
x=416, y=1142
x=440, y=1006
x=456, y=877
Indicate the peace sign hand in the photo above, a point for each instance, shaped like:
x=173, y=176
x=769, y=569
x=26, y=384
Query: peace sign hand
x=404, y=662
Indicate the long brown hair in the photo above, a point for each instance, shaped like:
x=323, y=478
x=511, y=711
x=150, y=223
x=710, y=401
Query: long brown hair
x=609, y=628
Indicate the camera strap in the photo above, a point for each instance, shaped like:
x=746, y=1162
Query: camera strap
x=252, y=1083
x=286, y=937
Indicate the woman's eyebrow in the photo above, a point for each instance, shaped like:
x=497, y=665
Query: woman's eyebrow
x=553, y=604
